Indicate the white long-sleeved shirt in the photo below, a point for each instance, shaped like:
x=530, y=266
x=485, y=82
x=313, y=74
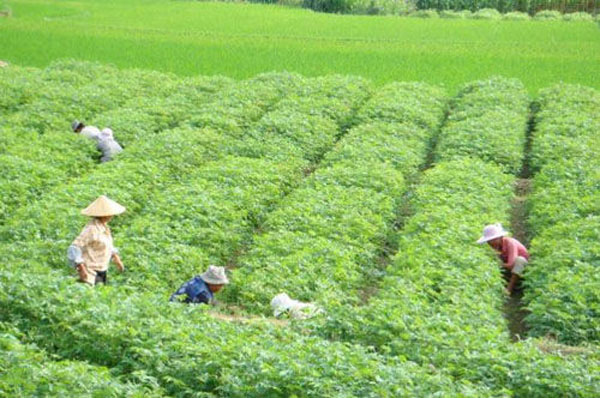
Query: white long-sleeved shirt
x=91, y=132
x=105, y=140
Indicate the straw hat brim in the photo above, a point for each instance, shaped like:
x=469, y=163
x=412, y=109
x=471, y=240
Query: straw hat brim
x=214, y=281
x=103, y=207
x=208, y=277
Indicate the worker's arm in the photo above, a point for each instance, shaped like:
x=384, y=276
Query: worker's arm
x=180, y=292
x=90, y=132
x=117, y=260
x=511, y=255
x=204, y=298
x=514, y=278
x=76, y=259
x=82, y=271
x=75, y=251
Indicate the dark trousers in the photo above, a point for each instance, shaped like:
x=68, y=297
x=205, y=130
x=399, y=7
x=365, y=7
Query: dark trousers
x=101, y=277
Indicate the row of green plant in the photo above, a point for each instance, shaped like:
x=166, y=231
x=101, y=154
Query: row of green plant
x=231, y=381
x=38, y=151
x=143, y=169
x=439, y=304
x=111, y=355
x=564, y=213
x=527, y=6
x=188, y=366
x=212, y=175
x=25, y=371
x=440, y=287
x=494, y=14
x=22, y=86
x=324, y=240
x=68, y=90
x=190, y=353
x=220, y=205
x=488, y=120
x=514, y=10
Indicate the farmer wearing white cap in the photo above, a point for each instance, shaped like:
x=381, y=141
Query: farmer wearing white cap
x=105, y=140
x=513, y=254
x=93, y=249
x=201, y=289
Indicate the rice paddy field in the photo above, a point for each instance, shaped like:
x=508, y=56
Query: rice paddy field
x=242, y=40
x=268, y=141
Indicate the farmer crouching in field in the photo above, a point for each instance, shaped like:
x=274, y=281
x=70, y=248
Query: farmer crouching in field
x=201, y=289
x=93, y=249
x=513, y=254
x=283, y=305
x=105, y=141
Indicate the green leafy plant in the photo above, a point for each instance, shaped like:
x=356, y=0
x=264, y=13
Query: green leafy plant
x=547, y=15
x=298, y=182
x=486, y=13
x=488, y=120
x=578, y=16
x=516, y=16
x=564, y=215
x=329, y=232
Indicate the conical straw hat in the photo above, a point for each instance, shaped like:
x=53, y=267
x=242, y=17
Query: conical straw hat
x=103, y=207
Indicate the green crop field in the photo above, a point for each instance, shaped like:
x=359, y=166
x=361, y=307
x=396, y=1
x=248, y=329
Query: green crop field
x=298, y=185
x=240, y=41
x=347, y=161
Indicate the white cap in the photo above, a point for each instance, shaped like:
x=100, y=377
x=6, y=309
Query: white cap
x=492, y=232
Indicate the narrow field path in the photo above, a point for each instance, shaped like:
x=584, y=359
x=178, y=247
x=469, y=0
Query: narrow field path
x=513, y=309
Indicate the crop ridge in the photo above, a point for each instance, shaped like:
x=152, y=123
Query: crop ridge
x=405, y=212
x=436, y=327
x=562, y=282
x=258, y=229
x=54, y=126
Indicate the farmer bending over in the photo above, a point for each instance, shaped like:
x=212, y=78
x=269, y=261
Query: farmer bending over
x=93, y=249
x=105, y=141
x=201, y=289
x=282, y=305
x=513, y=254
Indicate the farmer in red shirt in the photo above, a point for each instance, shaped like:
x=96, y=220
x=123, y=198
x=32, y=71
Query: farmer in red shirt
x=513, y=254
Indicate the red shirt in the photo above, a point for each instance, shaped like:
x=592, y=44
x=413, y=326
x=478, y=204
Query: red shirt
x=511, y=249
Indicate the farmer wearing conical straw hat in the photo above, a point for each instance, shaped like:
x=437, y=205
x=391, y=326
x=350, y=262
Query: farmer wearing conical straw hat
x=93, y=249
x=513, y=253
x=201, y=289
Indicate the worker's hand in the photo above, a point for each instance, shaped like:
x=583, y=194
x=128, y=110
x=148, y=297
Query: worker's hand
x=82, y=272
x=118, y=262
